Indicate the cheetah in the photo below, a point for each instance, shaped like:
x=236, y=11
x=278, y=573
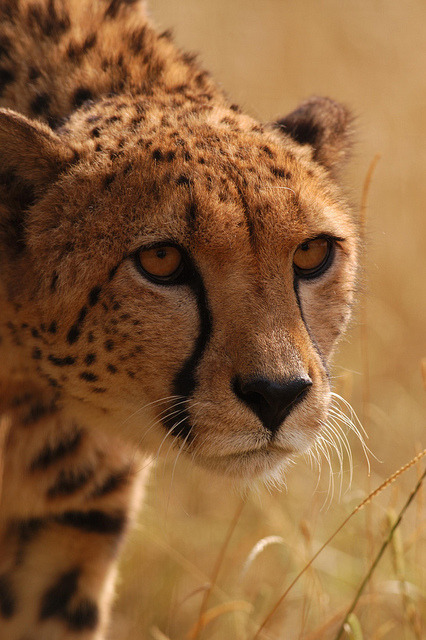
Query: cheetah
x=172, y=272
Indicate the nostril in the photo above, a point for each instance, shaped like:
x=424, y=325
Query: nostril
x=271, y=401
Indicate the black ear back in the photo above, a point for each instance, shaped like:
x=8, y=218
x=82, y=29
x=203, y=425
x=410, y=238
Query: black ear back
x=323, y=124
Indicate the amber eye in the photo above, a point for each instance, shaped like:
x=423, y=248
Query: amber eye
x=163, y=263
x=313, y=257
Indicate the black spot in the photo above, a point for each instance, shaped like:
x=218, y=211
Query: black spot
x=51, y=454
x=192, y=212
x=108, y=180
x=76, y=49
x=184, y=180
x=99, y=390
x=115, y=6
x=61, y=362
x=131, y=374
x=268, y=151
x=50, y=22
x=35, y=333
x=36, y=354
x=157, y=154
x=90, y=337
x=112, y=483
x=56, y=599
x=37, y=411
x=7, y=598
x=33, y=73
x=52, y=327
x=54, y=281
x=88, y=376
x=5, y=46
x=95, y=133
x=81, y=95
x=25, y=531
x=166, y=35
x=73, y=334
x=68, y=482
x=109, y=345
x=280, y=173
x=40, y=104
x=112, y=272
x=90, y=358
x=93, y=521
x=84, y=615
x=111, y=368
x=6, y=77
x=28, y=529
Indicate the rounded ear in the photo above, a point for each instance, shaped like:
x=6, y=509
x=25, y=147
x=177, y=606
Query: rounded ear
x=31, y=158
x=30, y=151
x=323, y=124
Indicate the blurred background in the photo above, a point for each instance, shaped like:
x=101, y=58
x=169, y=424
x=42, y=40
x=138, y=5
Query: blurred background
x=269, y=56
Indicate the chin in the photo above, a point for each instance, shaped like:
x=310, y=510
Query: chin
x=267, y=465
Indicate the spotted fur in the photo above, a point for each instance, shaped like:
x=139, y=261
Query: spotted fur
x=111, y=139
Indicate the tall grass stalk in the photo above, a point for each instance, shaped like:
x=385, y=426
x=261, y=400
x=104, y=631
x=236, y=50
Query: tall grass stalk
x=381, y=552
x=365, y=502
x=196, y=631
x=364, y=344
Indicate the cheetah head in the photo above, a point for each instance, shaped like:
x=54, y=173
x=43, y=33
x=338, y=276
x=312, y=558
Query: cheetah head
x=179, y=275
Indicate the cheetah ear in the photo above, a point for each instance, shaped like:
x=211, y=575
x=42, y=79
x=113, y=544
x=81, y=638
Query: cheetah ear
x=323, y=124
x=31, y=159
x=31, y=154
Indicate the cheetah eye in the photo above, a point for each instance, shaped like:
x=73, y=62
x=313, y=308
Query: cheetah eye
x=313, y=257
x=162, y=264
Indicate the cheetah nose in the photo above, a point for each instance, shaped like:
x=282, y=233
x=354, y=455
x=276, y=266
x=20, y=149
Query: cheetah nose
x=271, y=401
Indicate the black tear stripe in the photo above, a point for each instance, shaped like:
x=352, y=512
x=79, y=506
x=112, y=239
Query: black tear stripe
x=94, y=521
x=184, y=383
x=51, y=454
x=312, y=339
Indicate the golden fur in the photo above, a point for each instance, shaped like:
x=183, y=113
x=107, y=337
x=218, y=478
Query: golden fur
x=111, y=140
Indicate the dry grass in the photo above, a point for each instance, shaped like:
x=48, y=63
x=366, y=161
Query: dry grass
x=269, y=56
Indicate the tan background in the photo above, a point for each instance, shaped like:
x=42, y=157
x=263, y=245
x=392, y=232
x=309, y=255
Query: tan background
x=269, y=55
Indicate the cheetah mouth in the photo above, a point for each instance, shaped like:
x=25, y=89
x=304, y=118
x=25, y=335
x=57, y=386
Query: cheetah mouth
x=248, y=463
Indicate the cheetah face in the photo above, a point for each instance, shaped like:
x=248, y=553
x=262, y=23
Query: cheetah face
x=185, y=288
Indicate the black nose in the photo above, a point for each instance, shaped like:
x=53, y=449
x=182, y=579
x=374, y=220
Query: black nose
x=271, y=401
